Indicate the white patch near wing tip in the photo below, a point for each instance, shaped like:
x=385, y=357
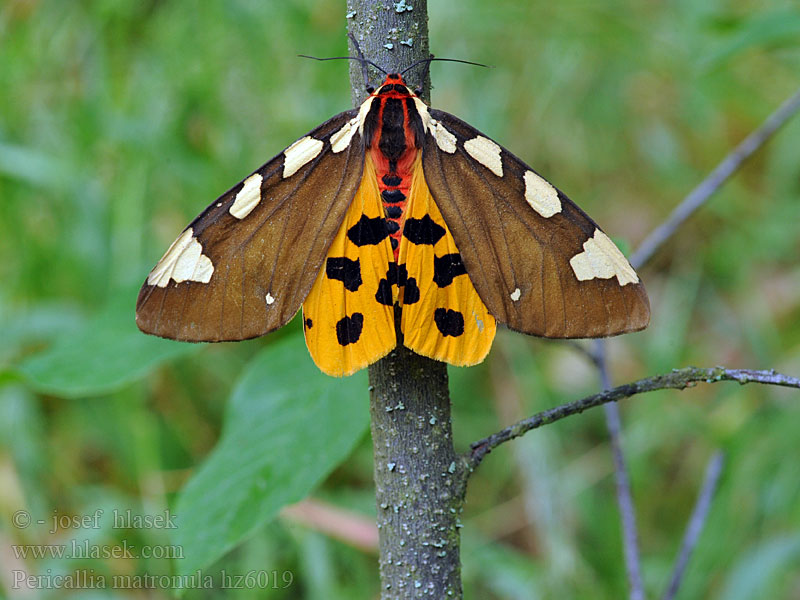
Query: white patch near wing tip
x=183, y=261
x=486, y=152
x=299, y=154
x=515, y=295
x=248, y=197
x=602, y=259
x=541, y=195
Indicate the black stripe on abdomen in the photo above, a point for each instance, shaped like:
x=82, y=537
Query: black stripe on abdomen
x=393, y=135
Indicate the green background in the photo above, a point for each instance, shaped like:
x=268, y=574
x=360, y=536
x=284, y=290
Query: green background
x=121, y=120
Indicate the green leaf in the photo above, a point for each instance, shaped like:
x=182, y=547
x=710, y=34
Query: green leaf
x=34, y=167
x=107, y=353
x=38, y=324
x=756, y=573
x=506, y=571
x=772, y=29
x=288, y=426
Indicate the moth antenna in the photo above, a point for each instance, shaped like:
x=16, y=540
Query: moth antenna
x=364, y=71
x=425, y=74
x=366, y=60
x=360, y=58
x=432, y=58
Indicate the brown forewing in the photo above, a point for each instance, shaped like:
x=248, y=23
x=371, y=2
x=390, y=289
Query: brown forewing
x=277, y=249
x=507, y=246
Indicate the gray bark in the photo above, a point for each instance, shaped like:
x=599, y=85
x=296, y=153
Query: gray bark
x=391, y=39
x=418, y=476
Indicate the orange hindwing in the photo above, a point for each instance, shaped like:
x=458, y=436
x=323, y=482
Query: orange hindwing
x=443, y=316
x=346, y=328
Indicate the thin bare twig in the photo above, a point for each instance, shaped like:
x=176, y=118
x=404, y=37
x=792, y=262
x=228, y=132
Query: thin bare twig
x=588, y=353
x=696, y=522
x=678, y=379
x=630, y=535
x=698, y=196
x=690, y=204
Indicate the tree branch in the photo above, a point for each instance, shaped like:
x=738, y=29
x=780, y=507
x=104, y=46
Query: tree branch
x=418, y=486
x=678, y=379
x=696, y=523
x=630, y=535
x=729, y=165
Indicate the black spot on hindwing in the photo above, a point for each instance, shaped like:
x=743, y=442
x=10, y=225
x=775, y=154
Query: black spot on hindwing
x=449, y=322
x=368, y=232
x=384, y=293
x=446, y=268
x=423, y=231
x=309, y=323
x=410, y=291
x=348, y=329
x=397, y=275
x=345, y=270
x=400, y=274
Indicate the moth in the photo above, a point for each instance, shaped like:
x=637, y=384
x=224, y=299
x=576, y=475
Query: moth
x=393, y=206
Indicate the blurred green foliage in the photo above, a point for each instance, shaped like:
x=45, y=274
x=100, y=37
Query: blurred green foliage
x=121, y=119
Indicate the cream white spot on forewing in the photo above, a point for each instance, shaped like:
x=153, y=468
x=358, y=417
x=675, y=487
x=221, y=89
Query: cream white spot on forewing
x=486, y=152
x=300, y=154
x=602, y=259
x=183, y=261
x=269, y=298
x=422, y=109
x=248, y=197
x=542, y=196
x=444, y=138
x=341, y=139
x=363, y=111
x=515, y=295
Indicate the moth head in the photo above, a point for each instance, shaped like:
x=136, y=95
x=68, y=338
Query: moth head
x=395, y=86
